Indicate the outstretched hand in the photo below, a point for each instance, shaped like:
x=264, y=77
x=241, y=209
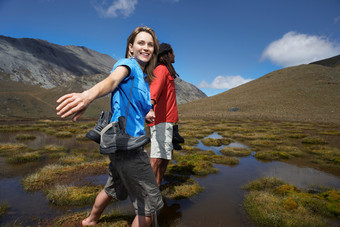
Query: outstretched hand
x=74, y=103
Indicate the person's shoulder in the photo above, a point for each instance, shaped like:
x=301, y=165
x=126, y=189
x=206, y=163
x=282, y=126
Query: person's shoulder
x=124, y=61
x=162, y=69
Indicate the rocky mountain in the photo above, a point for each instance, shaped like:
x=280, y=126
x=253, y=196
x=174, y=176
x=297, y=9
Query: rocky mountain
x=38, y=62
x=34, y=73
x=309, y=92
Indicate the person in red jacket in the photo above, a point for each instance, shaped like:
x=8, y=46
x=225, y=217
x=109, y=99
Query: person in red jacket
x=164, y=113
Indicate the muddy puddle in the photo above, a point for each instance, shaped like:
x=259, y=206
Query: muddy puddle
x=220, y=204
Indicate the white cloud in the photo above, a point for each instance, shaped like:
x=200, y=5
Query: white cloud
x=337, y=19
x=115, y=8
x=295, y=49
x=224, y=82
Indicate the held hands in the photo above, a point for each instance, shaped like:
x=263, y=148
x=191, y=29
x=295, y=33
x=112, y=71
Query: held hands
x=74, y=103
x=150, y=117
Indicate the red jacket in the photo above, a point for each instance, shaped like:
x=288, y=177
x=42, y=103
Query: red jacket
x=163, y=91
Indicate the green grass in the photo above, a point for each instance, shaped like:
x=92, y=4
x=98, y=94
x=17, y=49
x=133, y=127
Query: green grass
x=25, y=137
x=3, y=209
x=181, y=190
x=20, y=158
x=115, y=218
x=235, y=151
x=315, y=145
x=63, y=195
x=272, y=202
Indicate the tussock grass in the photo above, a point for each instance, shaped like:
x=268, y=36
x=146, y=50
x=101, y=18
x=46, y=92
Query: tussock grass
x=219, y=159
x=325, y=155
x=64, y=195
x=64, y=134
x=25, y=137
x=313, y=140
x=196, y=164
x=53, y=174
x=235, y=151
x=115, y=219
x=181, y=190
x=20, y=158
x=7, y=149
x=272, y=155
x=72, y=159
x=272, y=202
x=3, y=209
x=54, y=148
x=210, y=142
x=82, y=137
x=266, y=209
x=331, y=132
x=291, y=150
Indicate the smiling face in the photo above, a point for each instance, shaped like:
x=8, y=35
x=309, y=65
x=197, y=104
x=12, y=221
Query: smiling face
x=142, y=48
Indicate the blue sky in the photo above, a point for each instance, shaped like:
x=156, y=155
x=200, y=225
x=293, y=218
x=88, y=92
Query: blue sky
x=219, y=44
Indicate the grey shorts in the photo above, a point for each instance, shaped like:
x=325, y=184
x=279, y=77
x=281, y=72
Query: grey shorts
x=161, y=140
x=136, y=175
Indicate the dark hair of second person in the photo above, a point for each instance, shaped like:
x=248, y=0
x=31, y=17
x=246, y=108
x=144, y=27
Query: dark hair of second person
x=164, y=58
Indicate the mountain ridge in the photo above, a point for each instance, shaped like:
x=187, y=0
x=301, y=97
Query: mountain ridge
x=38, y=65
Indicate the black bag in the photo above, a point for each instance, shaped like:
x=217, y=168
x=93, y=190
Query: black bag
x=176, y=138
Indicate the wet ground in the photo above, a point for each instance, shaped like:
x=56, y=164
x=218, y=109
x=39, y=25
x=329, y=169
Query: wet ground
x=220, y=204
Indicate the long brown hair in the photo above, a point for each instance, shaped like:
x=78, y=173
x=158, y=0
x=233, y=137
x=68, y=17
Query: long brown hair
x=149, y=67
x=163, y=58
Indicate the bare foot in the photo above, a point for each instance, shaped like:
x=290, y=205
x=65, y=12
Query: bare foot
x=87, y=222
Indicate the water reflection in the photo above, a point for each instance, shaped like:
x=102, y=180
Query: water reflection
x=220, y=204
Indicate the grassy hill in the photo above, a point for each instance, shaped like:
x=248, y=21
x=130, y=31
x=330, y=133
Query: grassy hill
x=19, y=100
x=301, y=93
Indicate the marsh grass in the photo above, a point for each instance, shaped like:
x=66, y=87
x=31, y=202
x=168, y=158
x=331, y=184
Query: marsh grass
x=64, y=134
x=272, y=155
x=210, y=142
x=200, y=165
x=20, y=158
x=235, y=151
x=115, y=219
x=283, y=141
x=3, y=209
x=181, y=190
x=82, y=137
x=313, y=140
x=54, y=148
x=272, y=202
x=219, y=159
x=25, y=137
x=325, y=155
x=72, y=159
x=63, y=195
x=53, y=174
x=8, y=149
x=331, y=132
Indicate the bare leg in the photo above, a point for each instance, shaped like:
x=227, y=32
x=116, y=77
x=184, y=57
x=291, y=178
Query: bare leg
x=159, y=166
x=162, y=168
x=141, y=221
x=99, y=205
x=155, y=164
